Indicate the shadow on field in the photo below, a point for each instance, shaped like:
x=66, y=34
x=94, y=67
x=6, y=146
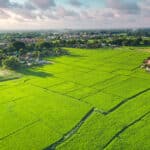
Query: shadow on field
x=31, y=72
x=76, y=55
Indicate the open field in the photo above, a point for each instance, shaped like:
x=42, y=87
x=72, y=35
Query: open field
x=89, y=100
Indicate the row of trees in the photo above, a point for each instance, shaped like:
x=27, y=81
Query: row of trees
x=97, y=43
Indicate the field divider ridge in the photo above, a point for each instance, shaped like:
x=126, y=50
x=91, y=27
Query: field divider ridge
x=125, y=128
x=48, y=91
x=20, y=129
x=14, y=100
x=126, y=100
x=70, y=133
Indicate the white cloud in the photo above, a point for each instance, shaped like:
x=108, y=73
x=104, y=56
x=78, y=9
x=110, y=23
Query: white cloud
x=47, y=13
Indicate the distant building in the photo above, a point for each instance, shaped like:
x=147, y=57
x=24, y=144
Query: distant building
x=146, y=64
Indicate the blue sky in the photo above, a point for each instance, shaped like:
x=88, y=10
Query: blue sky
x=76, y=14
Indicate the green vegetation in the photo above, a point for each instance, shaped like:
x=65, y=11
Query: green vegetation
x=18, y=54
x=11, y=63
x=89, y=100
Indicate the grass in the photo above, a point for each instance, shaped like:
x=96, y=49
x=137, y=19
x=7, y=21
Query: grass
x=48, y=105
x=138, y=132
x=99, y=129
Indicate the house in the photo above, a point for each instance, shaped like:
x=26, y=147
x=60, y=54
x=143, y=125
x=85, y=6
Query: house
x=146, y=64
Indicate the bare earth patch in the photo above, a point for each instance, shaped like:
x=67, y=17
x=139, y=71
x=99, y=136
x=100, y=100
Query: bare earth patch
x=4, y=72
x=8, y=75
x=145, y=50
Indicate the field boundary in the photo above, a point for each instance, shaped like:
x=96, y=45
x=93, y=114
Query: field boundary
x=70, y=133
x=125, y=128
x=13, y=100
x=20, y=129
x=126, y=100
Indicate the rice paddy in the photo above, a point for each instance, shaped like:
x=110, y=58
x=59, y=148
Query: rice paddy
x=89, y=100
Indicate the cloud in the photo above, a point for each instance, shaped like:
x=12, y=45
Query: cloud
x=8, y=4
x=145, y=8
x=43, y=4
x=108, y=14
x=34, y=9
x=4, y=3
x=116, y=13
x=3, y=14
x=75, y=3
x=62, y=12
x=122, y=6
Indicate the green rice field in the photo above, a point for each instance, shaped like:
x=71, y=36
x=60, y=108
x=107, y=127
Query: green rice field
x=96, y=99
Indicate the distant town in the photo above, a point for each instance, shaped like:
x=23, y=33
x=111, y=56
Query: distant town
x=80, y=38
x=28, y=48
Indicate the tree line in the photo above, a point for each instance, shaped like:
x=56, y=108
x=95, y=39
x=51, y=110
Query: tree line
x=18, y=52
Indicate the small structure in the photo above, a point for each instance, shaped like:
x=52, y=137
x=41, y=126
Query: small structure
x=146, y=64
x=30, y=59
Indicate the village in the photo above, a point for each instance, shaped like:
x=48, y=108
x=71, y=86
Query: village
x=29, y=48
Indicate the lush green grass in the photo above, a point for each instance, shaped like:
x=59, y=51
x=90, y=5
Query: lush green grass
x=99, y=129
x=134, y=137
x=53, y=103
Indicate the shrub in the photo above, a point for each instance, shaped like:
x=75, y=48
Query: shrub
x=18, y=45
x=59, y=52
x=11, y=63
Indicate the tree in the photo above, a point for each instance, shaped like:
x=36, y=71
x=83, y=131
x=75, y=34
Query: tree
x=11, y=63
x=18, y=45
x=37, y=54
x=44, y=45
x=1, y=56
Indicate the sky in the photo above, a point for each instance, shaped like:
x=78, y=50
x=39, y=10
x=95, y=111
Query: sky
x=74, y=14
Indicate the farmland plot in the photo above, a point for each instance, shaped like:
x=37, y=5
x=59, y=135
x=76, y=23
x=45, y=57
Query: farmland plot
x=100, y=131
x=91, y=99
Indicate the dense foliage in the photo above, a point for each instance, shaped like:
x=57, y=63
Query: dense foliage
x=11, y=62
x=82, y=39
x=18, y=52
